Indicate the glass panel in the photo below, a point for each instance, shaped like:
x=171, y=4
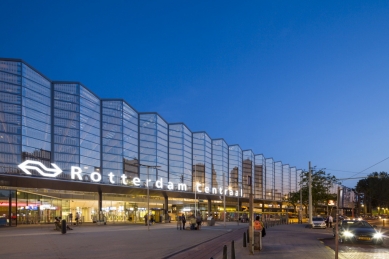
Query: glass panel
x=259, y=173
x=278, y=181
x=269, y=179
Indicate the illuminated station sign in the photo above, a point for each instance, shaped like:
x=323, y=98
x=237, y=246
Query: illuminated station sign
x=75, y=174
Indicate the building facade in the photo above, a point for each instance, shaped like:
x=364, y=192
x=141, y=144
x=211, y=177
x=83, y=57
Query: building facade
x=65, y=150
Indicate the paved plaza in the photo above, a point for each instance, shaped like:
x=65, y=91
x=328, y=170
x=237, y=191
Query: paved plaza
x=165, y=241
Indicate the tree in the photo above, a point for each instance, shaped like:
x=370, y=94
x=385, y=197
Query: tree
x=321, y=185
x=374, y=191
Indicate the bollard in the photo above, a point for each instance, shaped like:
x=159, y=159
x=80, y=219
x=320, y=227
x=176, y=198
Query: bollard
x=232, y=250
x=63, y=227
x=244, y=239
x=248, y=237
x=225, y=252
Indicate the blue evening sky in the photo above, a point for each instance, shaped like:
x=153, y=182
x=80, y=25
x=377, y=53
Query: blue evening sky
x=297, y=81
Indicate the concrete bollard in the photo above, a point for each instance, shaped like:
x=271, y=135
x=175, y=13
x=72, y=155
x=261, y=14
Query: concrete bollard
x=224, y=252
x=244, y=239
x=232, y=250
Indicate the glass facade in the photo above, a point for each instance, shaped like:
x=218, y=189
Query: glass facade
x=248, y=171
x=36, y=116
x=67, y=124
x=286, y=181
x=235, y=167
x=10, y=115
x=153, y=147
x=278, y=181
x=269, y=179
x=295, y=178
x=90, y=153
x=120, y=142
x=219, y=165
x=76, y=127
x=180, y=157
x=259, y=176
x=202, y=156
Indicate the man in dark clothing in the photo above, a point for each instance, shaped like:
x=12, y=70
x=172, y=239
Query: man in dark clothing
x=183, y=221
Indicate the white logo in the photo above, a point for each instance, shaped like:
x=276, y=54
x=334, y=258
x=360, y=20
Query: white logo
x=53, y=172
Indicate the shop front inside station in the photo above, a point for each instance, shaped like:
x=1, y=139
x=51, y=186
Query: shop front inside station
x=23, y=206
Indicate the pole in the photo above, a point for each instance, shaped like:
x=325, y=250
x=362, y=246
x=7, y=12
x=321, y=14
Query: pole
x=238, y=195
x=337, y=226
x=224, y=200
x=301, y=199
x=251, y=225
x=148, y=201
x=310, y=193
x=195, y=188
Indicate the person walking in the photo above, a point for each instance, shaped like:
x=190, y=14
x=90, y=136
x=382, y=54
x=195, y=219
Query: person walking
x=183, y=221
x=70, y=218
x=330, y=220
x=179, y=222
x=77, y=217
x=198, y=221
x=145, y=217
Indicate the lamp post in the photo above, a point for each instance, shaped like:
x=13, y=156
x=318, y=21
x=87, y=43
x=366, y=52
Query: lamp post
x=310, y=193
x=224, y=199
x=237, y=179
x=195, y=181
x=301, y=199
x=148, y=192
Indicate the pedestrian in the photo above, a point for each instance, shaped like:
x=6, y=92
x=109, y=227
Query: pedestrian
x=198, y=221
x=183, y=221
x=330, y=220
x=327, y=221
x=145, y=217
x=152, y=219
x=70, y=218
x=77, y=217
x=179, y=222
x=257, y=224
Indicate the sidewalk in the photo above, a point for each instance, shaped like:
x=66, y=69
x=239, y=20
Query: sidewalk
x=296, y=241
x=286, y=242
x=107, y=241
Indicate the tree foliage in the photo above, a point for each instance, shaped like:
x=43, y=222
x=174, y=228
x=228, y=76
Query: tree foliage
x=374, y=190
x=322, y=183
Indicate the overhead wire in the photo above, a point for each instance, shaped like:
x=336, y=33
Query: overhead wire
x=353, y=176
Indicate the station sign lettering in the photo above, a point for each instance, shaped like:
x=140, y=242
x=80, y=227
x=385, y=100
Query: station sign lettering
x=76, y=173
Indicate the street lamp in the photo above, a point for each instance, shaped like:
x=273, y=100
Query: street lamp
x=148, y=194
x=195, y=181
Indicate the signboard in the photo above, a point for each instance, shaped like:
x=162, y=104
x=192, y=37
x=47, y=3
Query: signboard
x=75, y=174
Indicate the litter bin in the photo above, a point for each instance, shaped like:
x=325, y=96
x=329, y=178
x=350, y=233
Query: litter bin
x=63, y=227
x=257, y=240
